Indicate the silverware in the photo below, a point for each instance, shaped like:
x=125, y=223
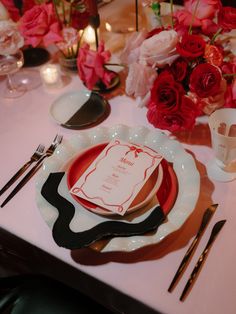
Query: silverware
x=35, y=157
x=205, y=220
x=57, y=140
x=216, y=229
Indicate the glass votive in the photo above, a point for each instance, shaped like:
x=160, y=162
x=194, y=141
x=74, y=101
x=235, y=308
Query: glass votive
x=51, y=76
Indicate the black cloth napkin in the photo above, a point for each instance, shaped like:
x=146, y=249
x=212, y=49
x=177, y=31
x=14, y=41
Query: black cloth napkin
x=65, y=237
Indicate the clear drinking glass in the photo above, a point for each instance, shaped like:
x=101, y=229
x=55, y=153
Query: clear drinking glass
x=222, y=125
x=9, y=65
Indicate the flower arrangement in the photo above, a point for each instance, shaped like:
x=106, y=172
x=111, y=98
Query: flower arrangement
x=55, y=22
x=43, y=22
x=188, y=68
x=60, y=22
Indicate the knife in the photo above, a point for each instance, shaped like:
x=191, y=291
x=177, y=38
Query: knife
x=205, y=220
x=216, y=229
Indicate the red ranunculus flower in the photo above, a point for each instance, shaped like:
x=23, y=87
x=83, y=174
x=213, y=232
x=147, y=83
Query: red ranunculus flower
x=191, y=46
x=179, y=69
x=166, y=93
x=227, y=18
x=174, y=121
x=205, y=80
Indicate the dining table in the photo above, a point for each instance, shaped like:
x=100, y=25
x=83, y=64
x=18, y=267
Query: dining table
x=134, y=281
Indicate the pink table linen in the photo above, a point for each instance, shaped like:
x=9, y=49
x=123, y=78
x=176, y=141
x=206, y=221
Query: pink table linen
x=25, y=122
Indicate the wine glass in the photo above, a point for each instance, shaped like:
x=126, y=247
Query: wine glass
x=10, y=64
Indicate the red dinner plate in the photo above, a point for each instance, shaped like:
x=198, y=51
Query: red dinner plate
x=166, y=193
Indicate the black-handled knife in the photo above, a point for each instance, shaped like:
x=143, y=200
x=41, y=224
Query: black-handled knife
x=205, y=220
x=216, y=229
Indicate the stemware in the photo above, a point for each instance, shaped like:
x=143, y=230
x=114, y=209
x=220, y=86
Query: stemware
x=10, y=64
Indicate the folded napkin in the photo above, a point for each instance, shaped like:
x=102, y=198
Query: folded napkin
x=65, y=237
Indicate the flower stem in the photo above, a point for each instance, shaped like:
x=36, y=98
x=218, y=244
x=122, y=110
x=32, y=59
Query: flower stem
x=56, y=10
x=172, y=13
x=193, y=16
x=63, y=12
x=229, y=74
x=215, y=35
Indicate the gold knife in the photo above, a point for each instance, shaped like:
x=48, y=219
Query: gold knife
x=216, y=229
x=205, y=220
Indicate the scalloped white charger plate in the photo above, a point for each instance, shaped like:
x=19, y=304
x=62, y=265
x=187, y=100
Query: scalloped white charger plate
x=183, y=165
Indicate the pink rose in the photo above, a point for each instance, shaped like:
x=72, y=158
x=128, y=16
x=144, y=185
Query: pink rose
x=205, y=9
x=39, y=24
x=160, y=49
x=138, y=85
x=10, y=39
x=91, y=66
x=186, y=18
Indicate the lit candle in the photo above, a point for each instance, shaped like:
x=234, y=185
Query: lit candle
x=89, y=36
x=50, y=74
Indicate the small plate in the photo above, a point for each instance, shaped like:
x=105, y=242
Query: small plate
x=80, y=109
x=84, y=160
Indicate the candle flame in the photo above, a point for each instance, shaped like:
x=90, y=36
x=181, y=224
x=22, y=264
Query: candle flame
x=108, y=27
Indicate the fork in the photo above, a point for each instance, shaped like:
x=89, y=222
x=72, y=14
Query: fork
x=35, y=157
x=57, y=140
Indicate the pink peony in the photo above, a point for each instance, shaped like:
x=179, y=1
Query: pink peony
x=91, y=66
x=10, y=38
x=39, y=25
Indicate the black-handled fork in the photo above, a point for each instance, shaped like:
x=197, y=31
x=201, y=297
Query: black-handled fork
x=57, y=140
x=35, y=157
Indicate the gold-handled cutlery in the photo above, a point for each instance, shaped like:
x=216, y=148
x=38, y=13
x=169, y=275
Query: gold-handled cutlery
x=215, y=231
x=35, y=157
x=205, y=220
x=57, y=140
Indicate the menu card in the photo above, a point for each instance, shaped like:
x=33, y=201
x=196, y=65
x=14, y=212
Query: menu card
x=115, y=177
